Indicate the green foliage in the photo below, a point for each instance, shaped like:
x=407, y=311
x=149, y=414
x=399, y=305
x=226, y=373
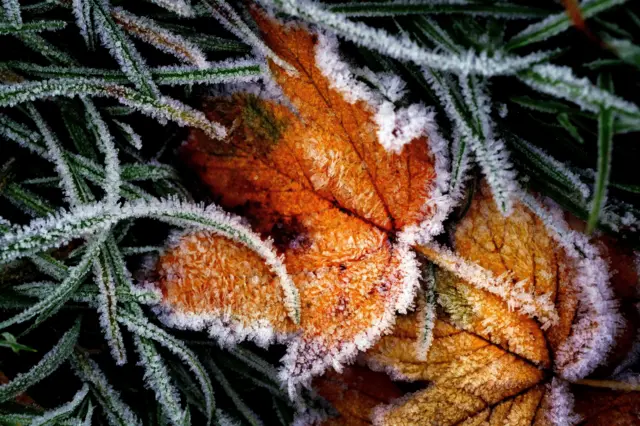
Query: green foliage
x=10, y=341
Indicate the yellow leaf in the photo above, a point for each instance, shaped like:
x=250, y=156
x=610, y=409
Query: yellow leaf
x=488, y=363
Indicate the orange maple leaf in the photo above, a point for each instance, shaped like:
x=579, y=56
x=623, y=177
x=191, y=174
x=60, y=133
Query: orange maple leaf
x=316, y=178
x=489, y=364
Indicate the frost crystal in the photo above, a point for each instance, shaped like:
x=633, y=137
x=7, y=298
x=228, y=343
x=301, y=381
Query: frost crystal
x=560, y=398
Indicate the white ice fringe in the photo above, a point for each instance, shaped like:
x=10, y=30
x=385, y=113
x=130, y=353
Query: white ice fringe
x=395, y=128
x=150, y=32
x=560, y=398
x=59, y=229
x=598, y=319
x=221, y=325
x=402, y=47
x=515, y=295
x=306, y=359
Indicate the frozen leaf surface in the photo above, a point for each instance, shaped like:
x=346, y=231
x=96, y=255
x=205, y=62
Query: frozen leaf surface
x=341, y=209
x=489, y=362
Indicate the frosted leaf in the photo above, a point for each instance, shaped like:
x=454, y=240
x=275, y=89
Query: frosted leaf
x=490, y=152
x=158, y=379
x=396, y=127
x=396, y=8
x=122, y=49
x=107, y=147
x=141, y=327
x=27, y=201
x=47, y=365
x=503, y=286
x=30, y=27
x=162, y=108
x=84, y=21
x=232, y=22
x=62, y=411
x=118, y=413
x=54, y=148
x=598, y=320
x=132, y=137
x=63, y=292
x=460, y=165
x=426, y=314
x=403, y=48
x=108, y=306
x=240, y=405
x=229, y=71
x=560, y=404
x=562, y=83
x=225, y=419
x=560, y=170
x=150, y=32
x=558, y=23
x=41, y=46
x=475, y=128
